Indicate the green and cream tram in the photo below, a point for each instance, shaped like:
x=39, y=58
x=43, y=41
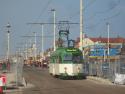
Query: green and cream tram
x=66, y=62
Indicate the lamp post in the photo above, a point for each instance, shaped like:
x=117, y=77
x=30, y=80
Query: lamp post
x=81, y=28
x=54, y=27
x=42, y=39
x=34, y=47
x=108, y=36
x=8, y=26
x=108, y=53
x=81, y=24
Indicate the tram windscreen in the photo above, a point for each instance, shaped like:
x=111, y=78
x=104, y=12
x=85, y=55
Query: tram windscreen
x=76, y=59
x=72, y=58
x=67, y=57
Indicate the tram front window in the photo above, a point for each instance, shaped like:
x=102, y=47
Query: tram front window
x=67, y=57
x=77, y=59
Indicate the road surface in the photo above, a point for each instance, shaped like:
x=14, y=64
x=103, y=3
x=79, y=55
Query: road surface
x=46, y=84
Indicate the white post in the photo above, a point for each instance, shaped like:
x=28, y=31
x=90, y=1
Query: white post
x=35, y=48
x=54, y=27
x=26, y=51
x=81, y=25
x=108, y=47
x=8, y=41
x=8, y=46
x=108, y=36
x=104, y=55
x=42, y=40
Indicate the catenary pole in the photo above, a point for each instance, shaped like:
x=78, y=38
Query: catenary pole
x=42, y=39
x=54, y=28
x=81, y=25
x=8, y=40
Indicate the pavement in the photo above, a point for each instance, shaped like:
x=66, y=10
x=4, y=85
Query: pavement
x=11, y=77
x=100, y=80
x=18, y=89
x=11, y=84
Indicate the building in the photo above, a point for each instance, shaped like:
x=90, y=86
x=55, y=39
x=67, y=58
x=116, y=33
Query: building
x=101, y=47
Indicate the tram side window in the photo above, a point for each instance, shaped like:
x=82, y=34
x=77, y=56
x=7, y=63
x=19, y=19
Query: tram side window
x=60, y=59
x=52, y=60
x=57, y=59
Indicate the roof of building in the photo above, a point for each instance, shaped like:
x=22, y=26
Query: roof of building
x=111, y=40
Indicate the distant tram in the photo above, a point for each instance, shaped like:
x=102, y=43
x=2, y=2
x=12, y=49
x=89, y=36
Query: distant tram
x=66, y=63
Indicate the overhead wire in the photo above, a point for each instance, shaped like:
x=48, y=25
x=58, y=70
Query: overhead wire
x=44, y=9
x=42, y=12
x=40, y=15
x=113, y=6
x=99, y=12
x=77, y=13
x=104, y=20
x=107, y=18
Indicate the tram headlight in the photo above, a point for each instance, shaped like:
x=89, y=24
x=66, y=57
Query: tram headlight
x=65, y=69
x=78, y=69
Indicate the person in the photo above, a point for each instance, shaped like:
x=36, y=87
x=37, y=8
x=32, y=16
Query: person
x=8, y=65
x=0, y=66
x=1, y=90
x=4, y=66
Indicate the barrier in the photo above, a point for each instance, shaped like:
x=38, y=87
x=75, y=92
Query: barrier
x=1, y=90
x=3, y=81
x=119, y=79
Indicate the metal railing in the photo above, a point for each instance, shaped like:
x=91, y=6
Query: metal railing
x=13, y=69
x=105, y=69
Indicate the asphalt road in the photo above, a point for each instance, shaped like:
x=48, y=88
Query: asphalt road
x=46, y=84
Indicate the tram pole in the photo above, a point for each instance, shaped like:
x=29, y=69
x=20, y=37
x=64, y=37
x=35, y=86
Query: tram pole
x=35, y=48
x=42, y=40
x=108, y=53
x=81, y=26
x=54, y=27
x=8, y=41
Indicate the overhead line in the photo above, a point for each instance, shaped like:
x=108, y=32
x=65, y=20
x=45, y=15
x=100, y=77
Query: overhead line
x=37, y=36
x=83, y=9
x=43, y=10
x=51, y=23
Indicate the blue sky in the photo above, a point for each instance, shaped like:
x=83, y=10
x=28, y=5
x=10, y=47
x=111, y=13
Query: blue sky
x=20, y=12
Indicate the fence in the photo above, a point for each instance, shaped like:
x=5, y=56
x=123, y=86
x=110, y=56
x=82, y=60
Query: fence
x=105, y=69
x=17, y=69
x=13, y=70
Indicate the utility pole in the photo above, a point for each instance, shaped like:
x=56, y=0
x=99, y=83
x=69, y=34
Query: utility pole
x=108, y=53
x=108, y=36
x=81, y=24
x=8, y=40
x=54, y=27
x=26, y=51
x=34, y=46
x=42, y=39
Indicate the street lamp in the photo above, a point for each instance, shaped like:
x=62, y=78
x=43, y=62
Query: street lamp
x=42, y=39
x=54, y=27
x=8, y=26
x=108, y=36
x=81, y=25
x=108, y=53
x=34, y=47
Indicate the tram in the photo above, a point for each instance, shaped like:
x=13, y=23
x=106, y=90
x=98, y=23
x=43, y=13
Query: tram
x=66, y=62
